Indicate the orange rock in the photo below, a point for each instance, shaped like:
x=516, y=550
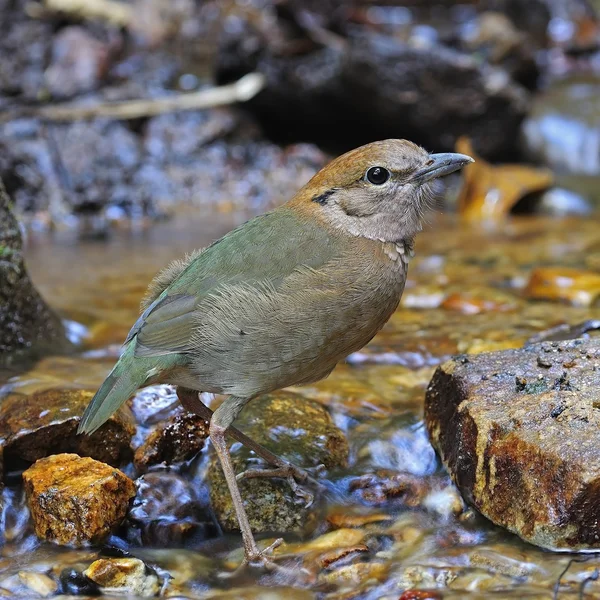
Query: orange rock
x=74, y=500
x=579, y=288
x=489, y=192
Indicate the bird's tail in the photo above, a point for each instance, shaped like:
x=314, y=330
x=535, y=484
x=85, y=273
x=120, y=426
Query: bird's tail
x=120, y=384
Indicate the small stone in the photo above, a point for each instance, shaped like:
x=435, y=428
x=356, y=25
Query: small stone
x=123, y=577
x=39, y=583
x=526, y=455
x=74, y=500
x=295, y=428
x=45, y=423
x=181, y=438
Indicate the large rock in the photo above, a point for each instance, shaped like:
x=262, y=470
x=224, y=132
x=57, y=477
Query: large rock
x=372, y=86
x=74, y=500
x=44, y=423
x=27, y=324
x=519, y=432
x=295, y=428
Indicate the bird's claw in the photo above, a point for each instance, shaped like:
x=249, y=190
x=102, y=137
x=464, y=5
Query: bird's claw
x=293, y=475
x=261, y=558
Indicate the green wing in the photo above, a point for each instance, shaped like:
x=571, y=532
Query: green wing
x=265, y=249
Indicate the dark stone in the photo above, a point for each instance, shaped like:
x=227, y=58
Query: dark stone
x=44, y=423
x=520, y=438
x=181, y=438
x=72, y=582
x=372, y=87
x=27, y=324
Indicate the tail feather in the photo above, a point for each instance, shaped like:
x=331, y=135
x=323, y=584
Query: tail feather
x=120, y=384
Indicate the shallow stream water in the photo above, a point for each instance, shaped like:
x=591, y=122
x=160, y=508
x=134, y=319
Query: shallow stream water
x=400, y=523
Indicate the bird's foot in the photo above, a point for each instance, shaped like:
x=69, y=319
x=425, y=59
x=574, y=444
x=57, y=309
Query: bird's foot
x=294, y=476
x=262, y=558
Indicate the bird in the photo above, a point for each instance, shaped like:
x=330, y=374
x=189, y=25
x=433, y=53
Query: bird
x=281, y=299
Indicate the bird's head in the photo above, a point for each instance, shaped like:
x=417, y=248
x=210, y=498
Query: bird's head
x=380, y=191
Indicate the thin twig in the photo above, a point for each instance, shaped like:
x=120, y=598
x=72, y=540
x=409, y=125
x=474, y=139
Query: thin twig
x=242, y=90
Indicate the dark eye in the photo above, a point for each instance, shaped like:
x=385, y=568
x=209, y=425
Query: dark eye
x=377, y=175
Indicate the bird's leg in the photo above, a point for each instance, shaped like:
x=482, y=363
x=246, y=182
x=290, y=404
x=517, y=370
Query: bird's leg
x=220, y=421
x=294, y=475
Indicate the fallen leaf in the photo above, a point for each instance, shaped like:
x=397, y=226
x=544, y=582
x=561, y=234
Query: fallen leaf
x=489, y=192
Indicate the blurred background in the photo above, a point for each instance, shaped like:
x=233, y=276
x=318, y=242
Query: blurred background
x=134, y=132
x=515, y=79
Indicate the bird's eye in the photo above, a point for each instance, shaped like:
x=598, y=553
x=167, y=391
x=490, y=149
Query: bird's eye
x=377, y=175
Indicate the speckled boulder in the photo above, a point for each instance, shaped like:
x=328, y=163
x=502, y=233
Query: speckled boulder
x=44, y=423
x=293, y=427
x=519, y=432
x=76, y=501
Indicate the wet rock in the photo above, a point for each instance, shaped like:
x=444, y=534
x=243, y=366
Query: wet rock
x=518, y=431
x=79, y=61
x=373, y=86
x=297, y=429
x=181, y=438
x=44, y=423
x=39, y=583
x=75, y=583
x=564, y=284
x=169, y=510
x=27, y=324
x=76, y=500
x=562, y=127
x=383, y=487
x=123, y=577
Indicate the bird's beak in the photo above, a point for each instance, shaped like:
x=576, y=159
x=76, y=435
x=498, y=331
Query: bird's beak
x=439, y=165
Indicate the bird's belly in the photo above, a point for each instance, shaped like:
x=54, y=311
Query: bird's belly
x=274, y=342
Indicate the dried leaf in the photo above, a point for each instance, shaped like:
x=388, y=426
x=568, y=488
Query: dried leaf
x=489, y=192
